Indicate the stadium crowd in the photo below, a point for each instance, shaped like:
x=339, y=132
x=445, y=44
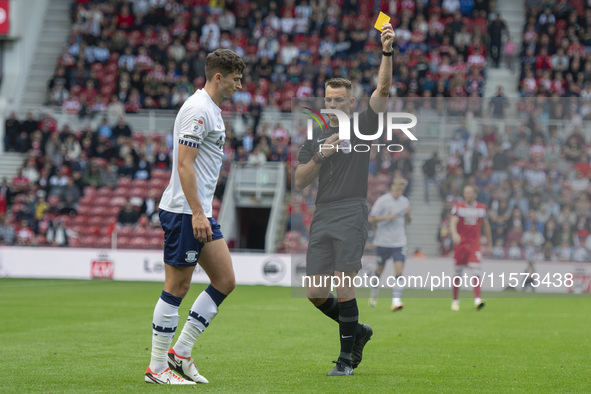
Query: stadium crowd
x=133, y=55
x=533, y=179
x=64, y=169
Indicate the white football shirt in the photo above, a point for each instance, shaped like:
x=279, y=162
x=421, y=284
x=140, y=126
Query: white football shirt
x=198, y=124
x=390, y=233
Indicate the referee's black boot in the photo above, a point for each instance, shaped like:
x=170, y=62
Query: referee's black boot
x=360, y=342
x=343, y=368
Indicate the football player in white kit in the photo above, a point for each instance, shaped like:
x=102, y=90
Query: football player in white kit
x=191, y=234
x=391, y=213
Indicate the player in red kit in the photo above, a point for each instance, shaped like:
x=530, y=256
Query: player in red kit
x=466, y=222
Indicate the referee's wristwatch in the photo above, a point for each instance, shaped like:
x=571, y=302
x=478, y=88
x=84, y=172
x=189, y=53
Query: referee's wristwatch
x=384, y=53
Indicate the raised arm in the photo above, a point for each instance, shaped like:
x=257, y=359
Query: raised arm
x=385, y=72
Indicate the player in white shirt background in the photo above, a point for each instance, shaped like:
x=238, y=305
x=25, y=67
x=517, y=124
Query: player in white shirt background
x=391, y=214
x=191, y=235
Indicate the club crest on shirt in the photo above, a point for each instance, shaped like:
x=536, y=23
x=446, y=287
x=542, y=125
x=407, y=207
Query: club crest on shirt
x=191, y=256
x=220, y=142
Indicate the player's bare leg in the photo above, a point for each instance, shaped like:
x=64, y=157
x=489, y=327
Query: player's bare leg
x=177, y=280
x=455, y=303
x=476, y=272
x=373, y=297
x=216, y=262
x=397, y=304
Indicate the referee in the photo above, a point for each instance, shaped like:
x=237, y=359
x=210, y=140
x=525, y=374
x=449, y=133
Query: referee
x=339, y=229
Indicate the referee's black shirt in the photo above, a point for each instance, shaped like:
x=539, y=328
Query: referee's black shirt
x=342, y=176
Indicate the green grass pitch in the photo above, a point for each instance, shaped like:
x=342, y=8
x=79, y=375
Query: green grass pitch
x=94, y=336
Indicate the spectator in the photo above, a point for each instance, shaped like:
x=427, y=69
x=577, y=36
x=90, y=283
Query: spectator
x=510, y=50
x=12, y=130
x=24, y=234
x=58, y=181
x=496, y=30
x=430, y=168
x=248, y=141
x=498, y=104
x=533, y=238
x=128, y=168
x=19, y=183
x=457, y=144
x=240, y=157
x=7, y=231
x=3, y=205
x=150, y=204
x=143, y=168
x=70, y=195
x=41, y=207
x=57, y=234
x=109, y=177
x=105, y=129
x=121, y=129
x=128, y=215
x=256, y=157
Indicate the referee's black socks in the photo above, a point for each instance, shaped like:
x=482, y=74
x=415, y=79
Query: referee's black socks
x=348, y=318
x=331, y=309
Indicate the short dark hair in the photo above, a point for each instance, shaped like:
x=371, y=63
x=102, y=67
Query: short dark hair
x=338, y=83
x=223, y=61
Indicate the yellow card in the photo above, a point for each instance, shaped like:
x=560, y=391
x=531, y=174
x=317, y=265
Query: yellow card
x=382, y=18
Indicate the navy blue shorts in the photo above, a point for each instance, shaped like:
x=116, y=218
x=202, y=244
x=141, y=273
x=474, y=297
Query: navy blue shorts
x=397, y=254
x=181, y=248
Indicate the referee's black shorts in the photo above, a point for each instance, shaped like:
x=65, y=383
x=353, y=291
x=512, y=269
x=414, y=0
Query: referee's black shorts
x=337, y=237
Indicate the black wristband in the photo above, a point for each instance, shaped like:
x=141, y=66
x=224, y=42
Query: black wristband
x=316, y=158
x=387, y=53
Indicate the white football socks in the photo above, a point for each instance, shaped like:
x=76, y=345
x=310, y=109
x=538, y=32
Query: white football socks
x=164, y=325
x=201, y=314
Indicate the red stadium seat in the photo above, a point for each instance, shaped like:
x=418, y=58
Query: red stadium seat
x=101, y=201
x=137, y=192
x=79, y=220
x=104, y=192
x=91, y=230
x=99, y=221
x=103, y=241
x=122, y=191
x=140, y=232
x=117, y=201
x=156, y=242
x=123, y=241
x=140, y=183
x=89, y=191
x=160, y=173
x=77, y=228
x=40, y=240
x=125, y=231
x=113, y=211
x=88, y=241
x=139, y=243
x=74, y=242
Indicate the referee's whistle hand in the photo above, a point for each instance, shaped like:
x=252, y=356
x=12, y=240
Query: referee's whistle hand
x=330, y=145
